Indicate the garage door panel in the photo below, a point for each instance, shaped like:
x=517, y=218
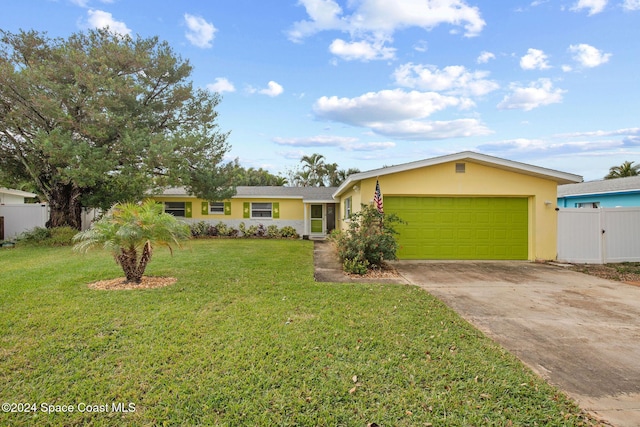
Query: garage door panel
x=461, y=227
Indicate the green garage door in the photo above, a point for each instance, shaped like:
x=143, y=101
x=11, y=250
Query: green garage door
x=461, y=227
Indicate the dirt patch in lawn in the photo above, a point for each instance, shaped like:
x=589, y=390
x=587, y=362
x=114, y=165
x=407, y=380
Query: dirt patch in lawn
x=385, y=272
x=628, y=272
x=121, y=283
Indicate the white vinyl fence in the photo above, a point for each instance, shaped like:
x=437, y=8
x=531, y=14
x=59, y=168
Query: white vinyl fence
x=19, y=218
x=599, y=236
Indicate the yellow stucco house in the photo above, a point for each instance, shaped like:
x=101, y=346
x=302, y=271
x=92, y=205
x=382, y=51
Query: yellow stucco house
x=310, y=210
x=465, y=206
x=460, y=206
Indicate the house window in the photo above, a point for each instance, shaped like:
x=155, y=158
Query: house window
x=261, y=210
x=175, y=208
x=588, y=205
x=460, y=168
x=216, y=208
x=347, y=207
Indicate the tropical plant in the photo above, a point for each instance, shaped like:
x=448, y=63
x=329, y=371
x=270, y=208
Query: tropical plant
x=130, y=231
x=625, y=169
x=369, y=241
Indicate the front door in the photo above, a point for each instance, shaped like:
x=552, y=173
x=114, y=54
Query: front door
x=331, y=217
x=317, y=219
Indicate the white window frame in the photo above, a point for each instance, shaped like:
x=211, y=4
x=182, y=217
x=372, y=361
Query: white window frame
x=348, y=208
x=261, y=209
x=216, y=208
x=588, y=205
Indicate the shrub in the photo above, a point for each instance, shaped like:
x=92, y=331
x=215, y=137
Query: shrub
x=39, y=236
x=273, y=232
x=288, y=232
x=223, y=230
x=369, y=240
x=199, y=229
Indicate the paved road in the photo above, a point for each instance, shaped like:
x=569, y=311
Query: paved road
x=579, y=332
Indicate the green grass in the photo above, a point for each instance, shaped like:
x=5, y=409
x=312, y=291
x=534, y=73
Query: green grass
x=246, y=337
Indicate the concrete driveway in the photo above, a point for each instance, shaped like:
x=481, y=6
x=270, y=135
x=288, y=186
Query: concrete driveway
x=579, y=332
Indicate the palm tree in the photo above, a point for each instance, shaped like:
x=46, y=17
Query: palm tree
x=625, y=169
x=314, y=165
x=131, y=231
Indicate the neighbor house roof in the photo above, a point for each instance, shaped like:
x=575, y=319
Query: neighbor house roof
x=605, y=186
x=483, y=159
x=307, y=194
x=16, y=192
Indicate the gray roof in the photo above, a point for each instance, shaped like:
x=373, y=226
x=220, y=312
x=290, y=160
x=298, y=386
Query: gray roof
x=617, y=185
x=307, y=194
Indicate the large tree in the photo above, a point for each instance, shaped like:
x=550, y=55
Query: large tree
x=627, y=168
x=100, y=118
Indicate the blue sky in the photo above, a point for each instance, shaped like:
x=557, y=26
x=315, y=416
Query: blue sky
x=370, y=83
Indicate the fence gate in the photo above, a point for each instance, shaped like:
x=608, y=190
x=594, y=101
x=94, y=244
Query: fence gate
x=597, y=236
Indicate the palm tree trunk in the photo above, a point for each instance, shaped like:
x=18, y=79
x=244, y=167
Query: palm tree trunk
x=127, y=259
x=144, y=260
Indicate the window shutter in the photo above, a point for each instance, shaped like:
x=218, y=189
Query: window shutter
x=227, y=208
x=276, y=210
x=205, y=208
x=188, y=212
x=246, y=210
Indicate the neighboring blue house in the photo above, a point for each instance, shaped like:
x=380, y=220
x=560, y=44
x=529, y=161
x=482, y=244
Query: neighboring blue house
x=607, y=193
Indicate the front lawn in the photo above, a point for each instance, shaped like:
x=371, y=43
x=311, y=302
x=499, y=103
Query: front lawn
x=246, y=337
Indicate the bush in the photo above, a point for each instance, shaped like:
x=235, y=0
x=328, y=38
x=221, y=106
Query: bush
x=273, y=232
x=368, y=242
x=203, y=229
x=288, y=232
x=39, y=236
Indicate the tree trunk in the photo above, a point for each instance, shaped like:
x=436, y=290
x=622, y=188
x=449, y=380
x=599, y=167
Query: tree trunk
x=65, y=207
x=127, y=259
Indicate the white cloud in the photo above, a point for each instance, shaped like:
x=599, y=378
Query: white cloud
x=537, y=94
x=431, y=130
x=273, y=89
x=422, y=46
x=631, y=4
x=535, y=59
x=384, y=17
x=594, y=6
x=316, y=141
x=221, y=85
x=363, y=50
x=485, y=57
x=199, y=32
x=588, y=56
x=102, y=19
x=383, y=106
x=454, y=79
x=344, y=143
x=400, y=114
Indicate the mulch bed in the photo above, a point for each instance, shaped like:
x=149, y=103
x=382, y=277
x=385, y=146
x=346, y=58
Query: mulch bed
x=121, y=283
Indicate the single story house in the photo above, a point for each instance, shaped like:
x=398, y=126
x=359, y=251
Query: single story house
x=310, y=210
x=14, y=197
x=606, y=193
x=464, y=206
x=459, y=206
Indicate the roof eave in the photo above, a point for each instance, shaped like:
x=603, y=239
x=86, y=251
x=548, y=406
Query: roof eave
x=557, y=176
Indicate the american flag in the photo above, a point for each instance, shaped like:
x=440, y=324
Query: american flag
x=377, y=198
